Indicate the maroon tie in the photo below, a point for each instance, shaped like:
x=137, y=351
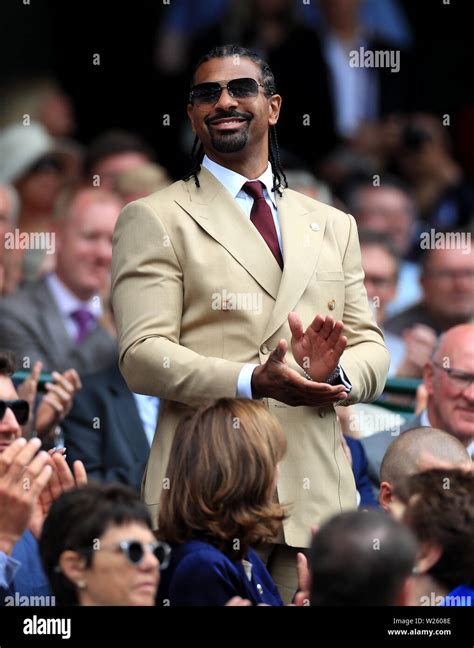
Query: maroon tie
x=262, y=217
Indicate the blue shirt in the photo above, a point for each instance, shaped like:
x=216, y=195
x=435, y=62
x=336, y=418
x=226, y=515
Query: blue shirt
x=462, y=596
x=200, y=574
x=30, y=579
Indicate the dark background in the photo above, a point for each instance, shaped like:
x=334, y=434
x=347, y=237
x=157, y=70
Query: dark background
x=126, y=91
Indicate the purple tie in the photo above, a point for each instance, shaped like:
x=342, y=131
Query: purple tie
x=84, y=320
x=262, y=217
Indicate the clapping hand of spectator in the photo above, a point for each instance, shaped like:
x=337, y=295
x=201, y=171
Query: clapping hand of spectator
x=237, y=601
x=62, y=479
x=24, y=475
x=55, y=404
x=419, y=344
x=303, y=593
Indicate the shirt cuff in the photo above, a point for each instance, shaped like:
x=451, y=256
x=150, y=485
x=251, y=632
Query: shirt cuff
x=8, y=568
x=244, y=381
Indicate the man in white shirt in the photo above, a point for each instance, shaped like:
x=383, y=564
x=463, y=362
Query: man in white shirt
x=229, y=284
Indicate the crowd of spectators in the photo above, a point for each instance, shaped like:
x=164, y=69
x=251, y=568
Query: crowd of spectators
x=368, y=152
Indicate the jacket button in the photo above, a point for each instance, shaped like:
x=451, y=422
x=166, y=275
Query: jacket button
x=264, y=349
x=321, y=412
x=332, y=304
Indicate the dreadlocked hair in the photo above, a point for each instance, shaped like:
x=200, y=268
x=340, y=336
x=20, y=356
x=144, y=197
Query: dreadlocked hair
x=268, y=81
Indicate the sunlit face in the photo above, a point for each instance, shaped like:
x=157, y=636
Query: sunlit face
x=232, y=125
x=448, y=284
x=112, y=579
x=84, y=243
x=451, y=406
x=10, y=429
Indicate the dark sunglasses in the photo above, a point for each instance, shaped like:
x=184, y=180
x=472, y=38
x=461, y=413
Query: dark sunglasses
x=134, y=551
x=209, y=92
x=20, y=409
x=47, y=163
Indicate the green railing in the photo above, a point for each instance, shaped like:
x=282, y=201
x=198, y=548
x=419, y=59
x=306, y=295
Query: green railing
x=399, y=395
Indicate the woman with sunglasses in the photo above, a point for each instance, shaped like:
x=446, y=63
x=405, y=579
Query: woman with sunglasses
x=98, y=548
x=220, y=505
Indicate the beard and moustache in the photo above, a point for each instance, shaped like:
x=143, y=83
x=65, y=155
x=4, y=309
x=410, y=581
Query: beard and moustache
x=230, y=141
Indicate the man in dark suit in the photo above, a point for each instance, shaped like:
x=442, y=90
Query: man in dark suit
x=359, y=465
x=449, y=381
x=107, y=428
x=60, y=319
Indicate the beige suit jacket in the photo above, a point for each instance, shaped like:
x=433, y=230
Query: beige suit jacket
x=197, y=294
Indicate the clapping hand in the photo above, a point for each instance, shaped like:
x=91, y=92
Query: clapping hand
x=318, y=349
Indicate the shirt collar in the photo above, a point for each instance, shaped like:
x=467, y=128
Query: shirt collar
x=68, y=302
x=424, y=420
x=233, y=181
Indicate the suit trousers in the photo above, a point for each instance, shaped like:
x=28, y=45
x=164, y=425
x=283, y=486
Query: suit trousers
x=280, y=560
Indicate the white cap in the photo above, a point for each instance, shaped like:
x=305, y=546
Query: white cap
x=20, y=147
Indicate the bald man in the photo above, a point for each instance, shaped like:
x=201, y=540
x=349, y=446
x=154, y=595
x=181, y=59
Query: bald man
x=413, y=452
x=449, y=380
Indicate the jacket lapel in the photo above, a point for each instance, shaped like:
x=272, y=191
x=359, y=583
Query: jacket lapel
x=214, y=209
x=55, y=338
x=302, y=236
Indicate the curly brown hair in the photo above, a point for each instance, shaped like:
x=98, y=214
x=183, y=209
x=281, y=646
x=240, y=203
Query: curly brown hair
x=440, y=510
x=222, y=477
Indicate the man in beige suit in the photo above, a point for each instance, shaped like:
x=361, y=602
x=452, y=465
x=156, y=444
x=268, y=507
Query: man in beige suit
x=214, y=286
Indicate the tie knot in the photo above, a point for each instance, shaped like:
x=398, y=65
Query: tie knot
x=254, y=189
x=82, y=316
x=85, y=322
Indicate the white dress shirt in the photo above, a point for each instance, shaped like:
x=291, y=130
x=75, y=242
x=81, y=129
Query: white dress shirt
x=233, y=182
x=148, y=409
x=68, y=303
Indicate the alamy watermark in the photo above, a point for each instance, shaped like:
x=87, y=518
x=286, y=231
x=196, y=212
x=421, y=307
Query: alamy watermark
x=18, y=240
x=19, y=600
x=434, y=240
x=367, y=58
x=370, y=422
x=448, y=600
x=226, y=300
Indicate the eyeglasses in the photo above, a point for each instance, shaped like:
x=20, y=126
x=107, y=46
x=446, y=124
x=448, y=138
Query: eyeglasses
x=20, y=408
x=208, y=93
x=381, y=282
x=460, y=379
x=450, y=275
x=134, y=551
